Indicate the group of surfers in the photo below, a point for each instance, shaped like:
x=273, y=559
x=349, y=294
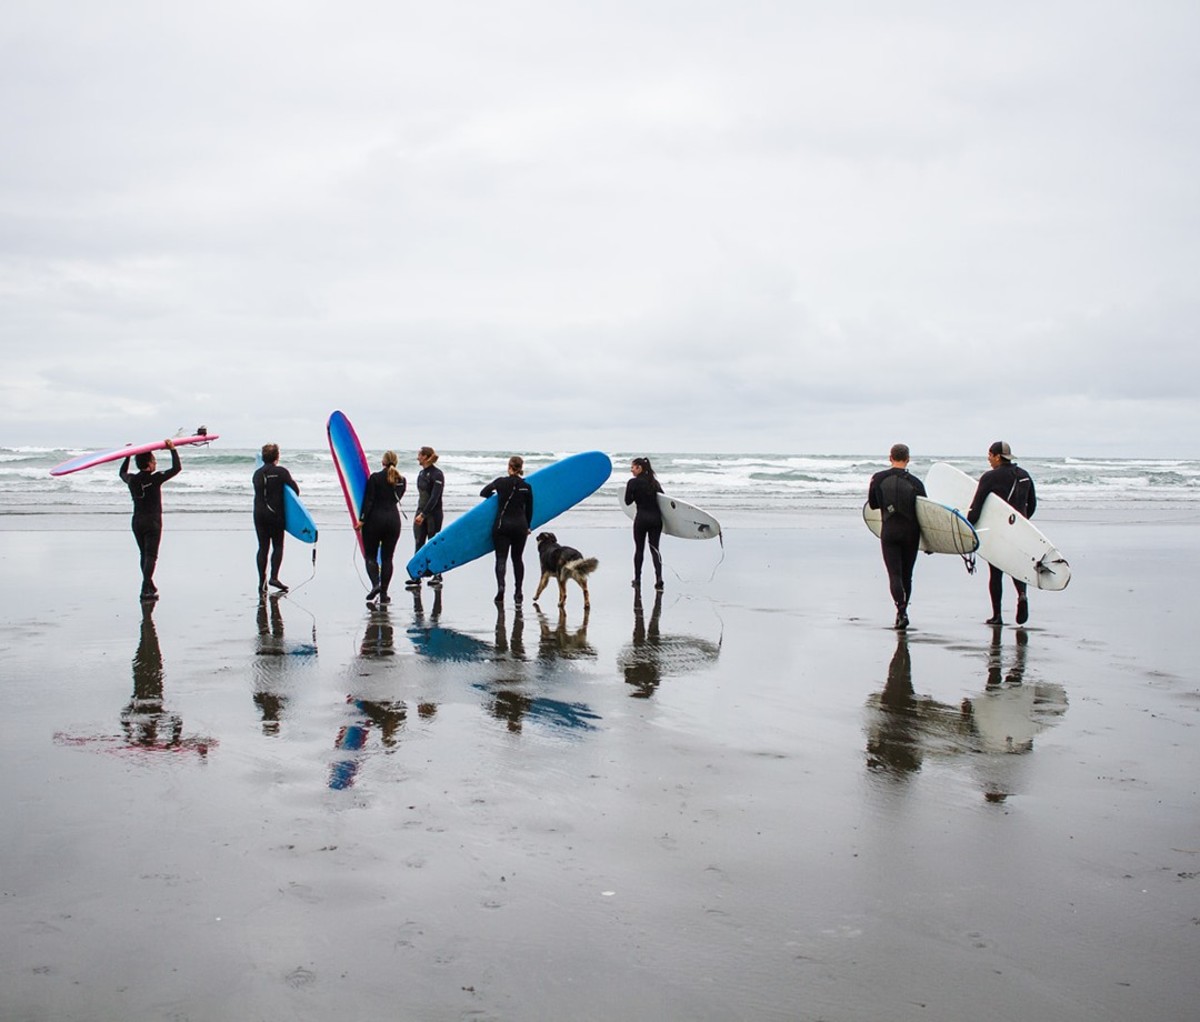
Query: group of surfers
x=378, y=521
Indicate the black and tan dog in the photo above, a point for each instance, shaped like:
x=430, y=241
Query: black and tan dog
x=563, y=563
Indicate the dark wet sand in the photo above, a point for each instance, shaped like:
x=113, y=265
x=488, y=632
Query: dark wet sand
x=753, y=802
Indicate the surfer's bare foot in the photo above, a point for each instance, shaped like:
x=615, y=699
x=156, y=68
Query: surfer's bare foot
x=372, y=594
x=1022, y=610
x=278, y=585
x=995, y=619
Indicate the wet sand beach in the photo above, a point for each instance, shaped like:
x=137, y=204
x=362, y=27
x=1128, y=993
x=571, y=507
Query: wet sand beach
x=750, y=799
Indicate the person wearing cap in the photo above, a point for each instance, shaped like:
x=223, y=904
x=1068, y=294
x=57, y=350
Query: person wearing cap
x=1014, y=485
x=893, y=492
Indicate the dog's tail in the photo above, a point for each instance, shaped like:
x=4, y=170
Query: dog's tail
x=581, y=567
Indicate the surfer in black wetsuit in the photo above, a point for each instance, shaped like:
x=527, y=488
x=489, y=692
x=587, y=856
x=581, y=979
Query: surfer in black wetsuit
x=380, y=525
x=146, y=490
x=1014, y=485
x=427, y=522
x=894, y=492
x=269, y=481
x=514, y=522
x=643, y=490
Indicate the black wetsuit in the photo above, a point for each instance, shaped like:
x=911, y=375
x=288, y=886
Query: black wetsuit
x=514, y=519
x=430, y=483
x=1015, y=486
x=647, y=523
x=146, y=490
x=381, y=527
x=269, y=481
x=894, y=493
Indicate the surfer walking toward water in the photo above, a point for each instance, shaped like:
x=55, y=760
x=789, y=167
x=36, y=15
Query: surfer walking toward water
x=514, y=523
x=1014, y=485
x=894, y=492
x=643, y=490
x=269, y=480
x=427, y=522
x=145, y=487
x=380, y=525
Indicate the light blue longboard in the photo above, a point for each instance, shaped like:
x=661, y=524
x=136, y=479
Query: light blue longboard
x=556, y=488
x=296, y=519
x=351, y=465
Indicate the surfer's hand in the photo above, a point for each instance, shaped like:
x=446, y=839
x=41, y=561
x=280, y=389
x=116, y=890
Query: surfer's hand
x=357, y=526
x=170, y=444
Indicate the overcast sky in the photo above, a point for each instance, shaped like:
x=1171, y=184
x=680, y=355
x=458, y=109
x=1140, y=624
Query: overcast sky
x=664, y=226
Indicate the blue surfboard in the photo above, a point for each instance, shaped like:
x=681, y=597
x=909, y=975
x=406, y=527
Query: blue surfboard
x=351, y=465
x=296, y=519
x=556, y=488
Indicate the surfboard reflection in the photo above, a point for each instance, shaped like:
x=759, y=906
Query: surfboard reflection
x=146, y=723
x=905, y=729
x=370, y=713
x=508, y=699
x=275, y=661
x=651, y=655
x=432, y=640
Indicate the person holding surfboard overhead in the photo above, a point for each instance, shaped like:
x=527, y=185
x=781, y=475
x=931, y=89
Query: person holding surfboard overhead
x=380, y=525
x=894, y=492
x=427, y=522
x=269, y=481
x=145, y=487
x=1014, y=486
x=643, y=490
x=513, y=524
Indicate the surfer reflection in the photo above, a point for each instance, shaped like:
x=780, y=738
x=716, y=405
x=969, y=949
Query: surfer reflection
x=274, y=661
x=904, y=726
x=905, y=729
x=510, y=646
x=388, y=717
x=642, y=666
x=559, y=642
x=508, y=698
x=651, y=655
x=146, y=723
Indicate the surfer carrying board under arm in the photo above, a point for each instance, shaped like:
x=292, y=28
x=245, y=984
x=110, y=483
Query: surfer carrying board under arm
x=513, y=524
x=269, y=521
x=145, y=487
x=894, y=492
x=643, y=490
x=380, y=525
x=427, y=522
x=1014, y=486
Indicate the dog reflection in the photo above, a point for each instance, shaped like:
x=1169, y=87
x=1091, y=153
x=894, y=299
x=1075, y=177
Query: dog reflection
x=559, y=642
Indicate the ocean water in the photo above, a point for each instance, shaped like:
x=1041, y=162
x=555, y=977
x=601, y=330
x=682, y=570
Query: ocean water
x=738, y=488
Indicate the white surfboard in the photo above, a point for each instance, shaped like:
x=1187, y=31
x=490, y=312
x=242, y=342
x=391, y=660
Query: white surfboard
x=1007, y=538
x=943, y=529
x=680, y=519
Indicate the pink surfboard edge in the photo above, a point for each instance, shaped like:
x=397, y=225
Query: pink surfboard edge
x=83, y=461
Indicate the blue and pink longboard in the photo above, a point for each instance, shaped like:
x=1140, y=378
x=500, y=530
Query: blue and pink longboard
x=351, y=465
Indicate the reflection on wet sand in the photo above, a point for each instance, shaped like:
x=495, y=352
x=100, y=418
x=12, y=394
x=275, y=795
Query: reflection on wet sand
x=559, y=642
x=1002, y=720
x=386, y=716
x=507, y=699
x=273, y=663
x=430, y=639
x=651, y=655
x=146, y=723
